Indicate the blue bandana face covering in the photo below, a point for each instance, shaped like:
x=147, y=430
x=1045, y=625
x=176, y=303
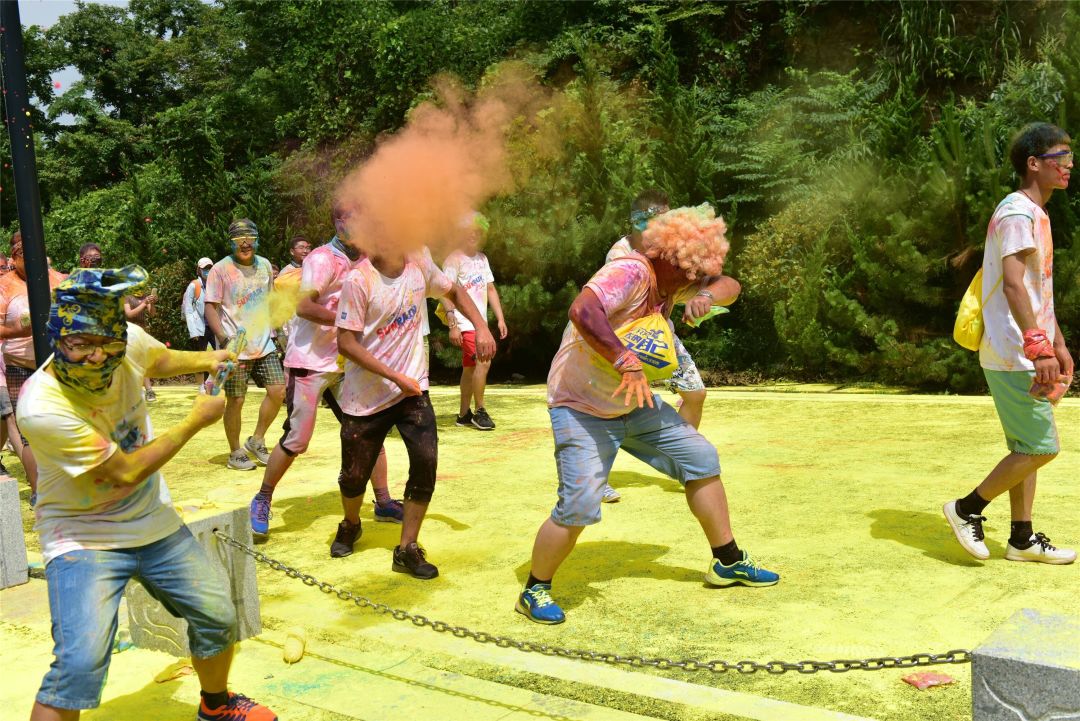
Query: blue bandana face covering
x=91, y=302
x=640, y=218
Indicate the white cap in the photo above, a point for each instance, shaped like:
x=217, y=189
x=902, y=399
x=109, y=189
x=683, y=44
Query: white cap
x=204, y=262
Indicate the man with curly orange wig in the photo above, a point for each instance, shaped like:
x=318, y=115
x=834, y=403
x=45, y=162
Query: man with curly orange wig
x=594, y=411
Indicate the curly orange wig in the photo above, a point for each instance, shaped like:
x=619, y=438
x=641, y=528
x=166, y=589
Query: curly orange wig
x=692, y=239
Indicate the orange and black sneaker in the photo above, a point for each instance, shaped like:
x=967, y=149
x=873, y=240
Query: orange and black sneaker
x=237, y=708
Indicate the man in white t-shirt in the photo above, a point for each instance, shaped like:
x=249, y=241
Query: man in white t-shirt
x=238, y=296
x=469, y=268
x=1023, y=353
x=104, y=514
x=385, y=386
x=311, y=363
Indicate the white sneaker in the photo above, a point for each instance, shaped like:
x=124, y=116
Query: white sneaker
x=610, y=495
x=968, y=531
x=1040, y=551
x=239, y=461
x=257, y=449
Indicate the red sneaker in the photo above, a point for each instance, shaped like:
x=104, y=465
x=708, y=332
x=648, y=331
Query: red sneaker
x=238, y=708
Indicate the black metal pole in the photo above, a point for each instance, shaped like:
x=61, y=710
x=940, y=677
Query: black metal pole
x=24, y=168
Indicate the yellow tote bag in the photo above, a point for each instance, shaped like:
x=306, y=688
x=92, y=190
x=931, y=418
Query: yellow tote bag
x=968, y=329
x=651, y=339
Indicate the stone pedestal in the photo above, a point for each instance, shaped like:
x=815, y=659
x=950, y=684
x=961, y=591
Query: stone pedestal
x=13, y=561
x=1028, y=669
x=153, y=627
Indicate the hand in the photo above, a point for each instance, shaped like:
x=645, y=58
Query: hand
x=207, y=410
x=1047, y=370
x=218, y=358
x=485, y=344
x=410, y=386
x=455, y=336
x=637, y=384
x=502, y=330
x=1065, y=359
x=696, y=307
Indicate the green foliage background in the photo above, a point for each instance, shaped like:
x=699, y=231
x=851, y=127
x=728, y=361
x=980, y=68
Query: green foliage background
x=856, y=150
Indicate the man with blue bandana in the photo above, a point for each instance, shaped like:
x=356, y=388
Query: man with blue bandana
x=238, y=296
x=104, y=514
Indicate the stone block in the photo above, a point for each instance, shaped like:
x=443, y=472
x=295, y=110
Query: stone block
x=1028, y=670
x=13, y=561
x=153, y=627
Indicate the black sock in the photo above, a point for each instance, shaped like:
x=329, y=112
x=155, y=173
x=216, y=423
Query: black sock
x=1020, y=536
x=215, y=700
x=533, y=580
x=971, y=505
x=727, y=554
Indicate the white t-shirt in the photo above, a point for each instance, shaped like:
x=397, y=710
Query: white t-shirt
x=311, y=345
x=243, y=296
x=473, y=273
x=386, y=312
x=72, y=433
x=620, y=249
x=1017, y=224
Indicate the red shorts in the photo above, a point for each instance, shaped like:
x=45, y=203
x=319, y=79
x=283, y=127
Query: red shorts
x=468, y=349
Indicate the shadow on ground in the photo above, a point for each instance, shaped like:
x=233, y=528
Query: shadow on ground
x=927, y=532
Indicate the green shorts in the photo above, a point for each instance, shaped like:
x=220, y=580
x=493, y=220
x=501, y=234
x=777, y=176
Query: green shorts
x=1028, y=422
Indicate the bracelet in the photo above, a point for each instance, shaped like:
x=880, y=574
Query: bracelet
x=706, y=293
x=627, y=362
x=1037, y=345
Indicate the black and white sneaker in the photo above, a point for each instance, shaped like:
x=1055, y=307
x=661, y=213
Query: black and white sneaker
x=1040, y=550
x=465, y=420
x=482, y=421
x=413, y=560
x=968, y=531
x=346, y=537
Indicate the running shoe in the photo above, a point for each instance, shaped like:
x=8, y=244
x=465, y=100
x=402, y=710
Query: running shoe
x=969, y=531
x=413, y=560
x=239, y=461
x=151, y=396
x=237, y=708
x=464, y=420
x=345, y=539
x=536, y=604
x=747, y=572
x=260, y=514
x=1040, y=550
x=391, y=512
x=33, y=499
x=257, y=449
x=610, y=495
x=482, y=421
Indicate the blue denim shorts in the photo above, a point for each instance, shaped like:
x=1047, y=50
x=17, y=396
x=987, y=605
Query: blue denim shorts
x=85, y=588
x=585, y=448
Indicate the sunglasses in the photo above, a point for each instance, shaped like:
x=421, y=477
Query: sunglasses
x=80, y=350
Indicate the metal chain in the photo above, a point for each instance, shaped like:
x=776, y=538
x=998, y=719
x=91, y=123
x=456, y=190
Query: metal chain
x=690, y=664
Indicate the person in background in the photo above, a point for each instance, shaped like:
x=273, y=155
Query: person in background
x=90, y=255
x=138, y=310
x=194, y=309
x=287, y=286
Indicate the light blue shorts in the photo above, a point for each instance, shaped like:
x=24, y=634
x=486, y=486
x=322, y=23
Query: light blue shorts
x=1028, y=422
x=85, y=588
x=585, y=449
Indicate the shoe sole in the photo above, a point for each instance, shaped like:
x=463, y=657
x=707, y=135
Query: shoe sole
x=231, y=467
x=481, y=428
x=398, y=568
x=340, y=555
x=714, y=580
x=957, y=535
x=460, y=424
x=611, y=500
x=525, y=612
x=1038, y=560
x=387, y=519
x=259, y=537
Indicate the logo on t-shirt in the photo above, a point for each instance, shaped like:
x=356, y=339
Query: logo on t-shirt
x=399, y=323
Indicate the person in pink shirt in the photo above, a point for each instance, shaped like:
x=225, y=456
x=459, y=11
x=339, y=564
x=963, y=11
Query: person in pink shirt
x=469, y=268
x=386, y=382
x=311, y=365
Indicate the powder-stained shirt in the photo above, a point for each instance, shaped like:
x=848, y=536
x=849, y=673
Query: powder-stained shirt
x=73, y=433
x=619, y=249
x=1018, y=224
x=473, y=273
x=311, y=345
x=626, y=287
x=243, y=295
x=15, y=312
x=386, y=314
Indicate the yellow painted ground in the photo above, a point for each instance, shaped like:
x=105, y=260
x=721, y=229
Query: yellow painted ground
x=840, y=493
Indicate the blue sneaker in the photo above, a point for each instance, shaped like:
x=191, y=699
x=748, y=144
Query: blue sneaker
x=259, y=511
x=33, y=499
x=392, y=512
x=536, y=604
x=747, y=572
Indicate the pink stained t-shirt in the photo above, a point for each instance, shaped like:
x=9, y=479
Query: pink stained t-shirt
x=473, y=273
x=311, y=345
x=386, y=312
x=626, y=288
x=242, y=293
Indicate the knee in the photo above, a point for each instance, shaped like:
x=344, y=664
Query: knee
x=694, y=399
x=351, y=485
x=275, y=393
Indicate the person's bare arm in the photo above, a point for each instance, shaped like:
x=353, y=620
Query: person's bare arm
x=213, y=321
x=590, y=319
x=135, y=467
x=1064, y=357
x=168, y=363
x=349, y=346
x=485, y=342
x=721, y=290
x=496, y=308
x=1047, y=370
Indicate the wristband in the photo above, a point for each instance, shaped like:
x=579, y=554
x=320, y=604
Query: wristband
x=706, y=293
x=627, y=362
x=1037, y=345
